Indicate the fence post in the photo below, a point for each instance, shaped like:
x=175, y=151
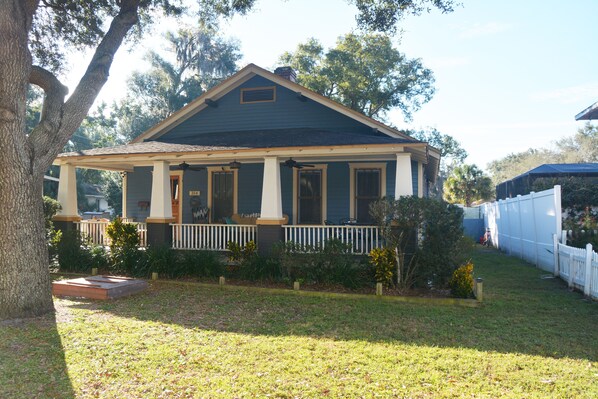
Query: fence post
x=557, y=266
x=479, y=289
x=587, y=286
x=572, y=270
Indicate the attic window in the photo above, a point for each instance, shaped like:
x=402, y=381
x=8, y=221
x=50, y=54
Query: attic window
x=258, y=95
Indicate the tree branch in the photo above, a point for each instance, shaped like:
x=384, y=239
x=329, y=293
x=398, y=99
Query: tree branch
x=79, y=103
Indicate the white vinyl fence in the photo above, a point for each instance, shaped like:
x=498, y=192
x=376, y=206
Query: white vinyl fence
x=524, y=226
x=579, y=267
x=361, y=238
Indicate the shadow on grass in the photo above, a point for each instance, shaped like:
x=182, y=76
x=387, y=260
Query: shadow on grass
x=32, y=361
x=523, y=313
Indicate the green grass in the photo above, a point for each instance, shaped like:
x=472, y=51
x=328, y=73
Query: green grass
x=533, y=338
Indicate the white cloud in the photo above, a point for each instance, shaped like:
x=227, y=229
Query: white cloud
x=483, y=29
x=568, y=95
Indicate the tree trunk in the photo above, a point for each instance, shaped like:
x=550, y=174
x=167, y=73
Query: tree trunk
x=24, y=276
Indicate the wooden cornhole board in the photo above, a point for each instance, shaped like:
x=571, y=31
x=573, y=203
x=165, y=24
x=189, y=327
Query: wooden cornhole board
x=98, y=287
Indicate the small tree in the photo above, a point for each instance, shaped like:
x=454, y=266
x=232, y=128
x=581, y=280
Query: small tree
x=424, y=234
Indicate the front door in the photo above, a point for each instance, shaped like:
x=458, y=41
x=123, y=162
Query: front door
x=175, y=191
x=222, y=195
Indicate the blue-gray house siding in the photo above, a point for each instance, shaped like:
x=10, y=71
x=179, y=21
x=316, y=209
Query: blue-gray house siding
x=250, y=180
x=287, y=112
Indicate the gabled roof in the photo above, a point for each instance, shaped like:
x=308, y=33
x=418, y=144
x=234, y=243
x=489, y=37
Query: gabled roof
x=588, y=114
x=243, y=76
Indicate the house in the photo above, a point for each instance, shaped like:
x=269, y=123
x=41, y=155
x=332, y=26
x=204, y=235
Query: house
x=264, y=151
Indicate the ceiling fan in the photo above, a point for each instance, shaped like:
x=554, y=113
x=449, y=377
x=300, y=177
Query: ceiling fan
x=291, y=163
x=234, y=164
x=185, y=166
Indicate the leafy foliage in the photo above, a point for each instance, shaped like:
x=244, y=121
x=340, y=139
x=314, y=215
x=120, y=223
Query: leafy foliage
x=363, y=72
x=383, y=260
x=466, y=185
x=462, y=281
x=73, y=253
x=576, y=192
x=124, y=248
x=198, y=59
x=426, y=237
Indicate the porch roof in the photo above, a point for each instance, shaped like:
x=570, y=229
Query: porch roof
x=246, y=140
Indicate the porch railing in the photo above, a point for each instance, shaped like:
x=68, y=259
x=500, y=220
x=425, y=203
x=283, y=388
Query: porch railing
x=214, y=237
x=95, y=231
x=362, y=239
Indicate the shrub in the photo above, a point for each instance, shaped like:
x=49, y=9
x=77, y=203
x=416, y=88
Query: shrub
x=241, y=254
x=462, y=281
x=201, y=263
x=257, y=267
x=72, y=252
x=427, y=236
x=330, y=263
x=384, y=263
x=163, y=260
x=124, y=249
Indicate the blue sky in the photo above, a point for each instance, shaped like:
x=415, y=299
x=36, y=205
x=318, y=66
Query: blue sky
x=510, y=75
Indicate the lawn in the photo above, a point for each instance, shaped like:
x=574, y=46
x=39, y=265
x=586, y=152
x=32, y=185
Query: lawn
x=532, y=339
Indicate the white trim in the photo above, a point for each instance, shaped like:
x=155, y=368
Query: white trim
x=212, y=169
x=366, y=165
x=324, y=206
x=180, y=174
x=420, y=179
x=124, y=195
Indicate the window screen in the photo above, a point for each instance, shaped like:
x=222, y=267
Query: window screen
x=367, y=190
x=310, y=197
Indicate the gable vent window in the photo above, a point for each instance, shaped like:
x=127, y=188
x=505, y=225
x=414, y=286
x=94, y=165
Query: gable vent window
x=258, y=95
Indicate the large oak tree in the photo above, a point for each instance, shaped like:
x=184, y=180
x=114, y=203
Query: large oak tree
x=35, y=35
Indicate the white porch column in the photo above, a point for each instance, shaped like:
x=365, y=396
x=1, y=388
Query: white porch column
x=271, y=212
x=161, y=204
x=404, y=180
x=67, y=194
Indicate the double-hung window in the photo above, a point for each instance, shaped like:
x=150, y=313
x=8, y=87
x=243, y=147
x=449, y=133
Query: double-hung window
x=368, y=183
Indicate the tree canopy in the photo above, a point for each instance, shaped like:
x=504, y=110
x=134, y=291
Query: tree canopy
x=197, y=60
x=582, y=147
x=363, y=72
x=466, y=185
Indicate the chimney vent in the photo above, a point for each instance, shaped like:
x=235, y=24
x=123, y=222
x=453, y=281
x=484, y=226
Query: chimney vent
x=286, y=72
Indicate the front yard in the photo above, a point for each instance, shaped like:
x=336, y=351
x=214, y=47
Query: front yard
x=533, y=338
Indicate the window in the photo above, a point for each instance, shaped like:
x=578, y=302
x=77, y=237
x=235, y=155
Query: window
x=309, y=200
x=222, y=195
x=367, y=190
x=258, y=95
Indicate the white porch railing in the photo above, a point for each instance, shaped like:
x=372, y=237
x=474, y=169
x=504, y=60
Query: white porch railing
x=95, y=231
x=362, y=238
x=214, y=237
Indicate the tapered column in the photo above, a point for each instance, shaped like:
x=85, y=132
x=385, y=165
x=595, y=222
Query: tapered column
x=67, y=193
x=404, y=179
x=269, y=230
x=159, y=231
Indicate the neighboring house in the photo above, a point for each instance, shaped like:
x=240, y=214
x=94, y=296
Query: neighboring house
x=523, y=183
x=588, y=114
x=96, y=200
x=262, y=147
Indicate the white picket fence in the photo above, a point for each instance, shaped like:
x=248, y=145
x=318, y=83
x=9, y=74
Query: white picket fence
x=524, y=226
x=214, y=237
x=95, y=231
x=361, y=238
x=578, y=267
